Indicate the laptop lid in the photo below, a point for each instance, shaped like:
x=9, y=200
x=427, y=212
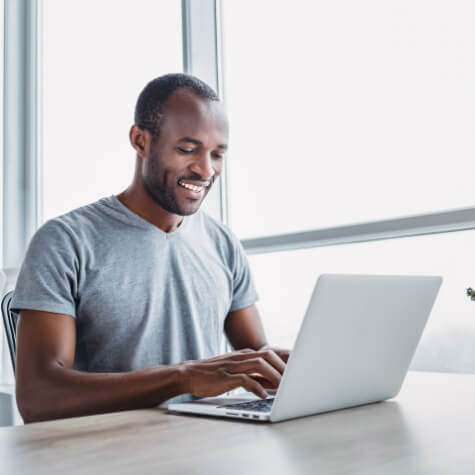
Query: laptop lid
x=355, y=343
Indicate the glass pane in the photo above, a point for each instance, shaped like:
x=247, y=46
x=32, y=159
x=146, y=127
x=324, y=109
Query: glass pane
x=345, y=112
x=97, y=56
x=285, y=282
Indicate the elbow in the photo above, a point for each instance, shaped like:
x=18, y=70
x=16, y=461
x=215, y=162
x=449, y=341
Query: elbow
x=37, y=393
x=33, y=404
x=28, y=409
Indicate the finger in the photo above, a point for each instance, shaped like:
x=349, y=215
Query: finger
x=256, y=365
x=282, y=353
x=241, y=354
x=265, y=383
x=234, y=355
x=267, y=353
x=243, y=380
x=272, y=358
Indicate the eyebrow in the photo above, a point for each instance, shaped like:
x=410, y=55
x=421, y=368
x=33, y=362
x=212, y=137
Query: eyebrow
x=198, y=142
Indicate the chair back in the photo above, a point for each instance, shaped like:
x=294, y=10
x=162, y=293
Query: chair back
x=9, y=323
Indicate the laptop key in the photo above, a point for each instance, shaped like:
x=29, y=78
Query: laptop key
x=262, y=405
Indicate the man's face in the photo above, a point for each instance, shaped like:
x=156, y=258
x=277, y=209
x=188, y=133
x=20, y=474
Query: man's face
x=188, y=155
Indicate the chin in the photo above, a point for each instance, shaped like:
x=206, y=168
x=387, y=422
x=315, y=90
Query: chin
x=188, y=210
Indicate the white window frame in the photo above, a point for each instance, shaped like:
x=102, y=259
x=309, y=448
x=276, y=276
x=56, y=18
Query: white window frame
x=202, y=56
x=21, y=148
x=22, y=176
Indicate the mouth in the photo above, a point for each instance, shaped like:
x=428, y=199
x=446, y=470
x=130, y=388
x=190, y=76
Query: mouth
x=193, y=186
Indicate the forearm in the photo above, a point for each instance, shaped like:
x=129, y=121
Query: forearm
x=60, y=392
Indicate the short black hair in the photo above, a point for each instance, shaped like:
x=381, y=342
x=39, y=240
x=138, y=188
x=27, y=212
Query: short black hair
x=149, y=107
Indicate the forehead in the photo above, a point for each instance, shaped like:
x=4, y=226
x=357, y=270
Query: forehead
x=187, y=115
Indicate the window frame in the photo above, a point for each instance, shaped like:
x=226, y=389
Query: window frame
x=21, y=144
x=202, y=56
x=22, y=148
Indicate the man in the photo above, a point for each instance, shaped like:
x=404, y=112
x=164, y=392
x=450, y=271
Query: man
x=123, y=303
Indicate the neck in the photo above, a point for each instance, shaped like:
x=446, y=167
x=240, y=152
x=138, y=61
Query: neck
x=137, y=200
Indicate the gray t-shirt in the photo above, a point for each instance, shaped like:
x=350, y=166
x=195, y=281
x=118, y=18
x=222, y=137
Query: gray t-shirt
x=141, y=297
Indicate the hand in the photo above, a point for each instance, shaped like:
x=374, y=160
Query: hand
x=283, y=355
x=243, y=368
x=281, y=352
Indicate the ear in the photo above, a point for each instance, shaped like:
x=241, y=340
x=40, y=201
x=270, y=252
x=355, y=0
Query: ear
x=140, y=139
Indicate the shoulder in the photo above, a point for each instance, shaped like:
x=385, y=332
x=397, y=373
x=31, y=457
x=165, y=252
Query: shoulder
x=53, y=238
x=52, y=231
x=92, y=214
x=70, y=227
x=218, y=231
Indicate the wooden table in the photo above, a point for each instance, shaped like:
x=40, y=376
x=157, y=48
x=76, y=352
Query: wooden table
x=428, y=429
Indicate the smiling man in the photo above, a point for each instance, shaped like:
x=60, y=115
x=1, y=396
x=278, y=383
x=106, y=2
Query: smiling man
x=124, y=303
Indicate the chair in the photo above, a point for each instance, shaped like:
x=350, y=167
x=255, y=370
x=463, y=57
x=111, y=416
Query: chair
x=10, y=322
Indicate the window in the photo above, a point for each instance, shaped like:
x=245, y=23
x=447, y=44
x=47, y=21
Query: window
x=347, y=113
x=448, y=343
x=97, y=57
x=344, y=112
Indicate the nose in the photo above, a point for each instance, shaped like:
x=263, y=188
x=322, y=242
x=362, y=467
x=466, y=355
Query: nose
x=204, y=166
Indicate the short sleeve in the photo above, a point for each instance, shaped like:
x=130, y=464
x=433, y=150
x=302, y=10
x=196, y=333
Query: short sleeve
x=244, y=291
x=48, y=277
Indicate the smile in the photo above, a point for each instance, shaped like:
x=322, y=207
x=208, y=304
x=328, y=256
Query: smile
x=188, y=186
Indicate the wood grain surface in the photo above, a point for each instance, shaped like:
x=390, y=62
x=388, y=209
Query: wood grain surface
x=429, y=428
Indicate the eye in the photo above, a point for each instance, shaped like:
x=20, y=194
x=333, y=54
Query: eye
x=185, y=151
x=218, y=156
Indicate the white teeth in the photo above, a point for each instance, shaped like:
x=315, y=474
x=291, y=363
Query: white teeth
x=191, y=187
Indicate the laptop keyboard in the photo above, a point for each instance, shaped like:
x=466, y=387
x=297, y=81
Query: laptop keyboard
x=261, y=405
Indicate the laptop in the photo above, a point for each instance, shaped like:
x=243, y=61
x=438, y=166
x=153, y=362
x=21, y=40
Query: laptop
x=354, y=347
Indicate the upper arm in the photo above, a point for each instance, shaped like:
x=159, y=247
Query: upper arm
x=49, y=277
x=244, y=293
x=243, y=325
x=44, y=340
x=244, y=328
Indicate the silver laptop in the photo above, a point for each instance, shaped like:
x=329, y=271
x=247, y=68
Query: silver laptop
x=354, y=347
